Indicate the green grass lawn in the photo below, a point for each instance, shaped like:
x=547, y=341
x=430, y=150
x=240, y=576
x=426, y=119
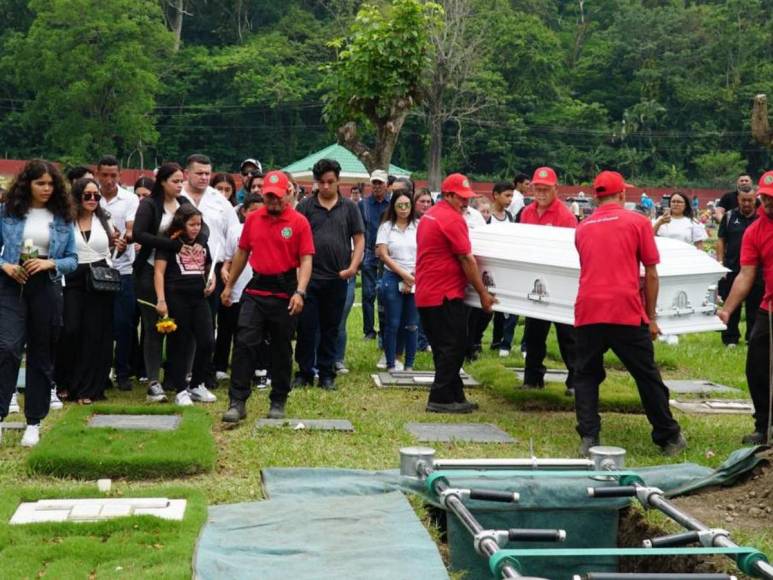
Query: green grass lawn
x=544, y=420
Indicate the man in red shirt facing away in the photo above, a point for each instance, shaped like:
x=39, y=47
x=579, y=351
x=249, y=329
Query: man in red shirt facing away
x=277, y=242
x=757, y=252
x=444, y=267
x=547, y=210
x=609, y=313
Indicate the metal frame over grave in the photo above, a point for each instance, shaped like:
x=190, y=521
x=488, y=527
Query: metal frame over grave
x=414, y=379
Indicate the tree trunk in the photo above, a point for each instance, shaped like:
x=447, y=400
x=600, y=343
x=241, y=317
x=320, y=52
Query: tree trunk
x=177, y=22
x=760, y=126
x=380, y=155
x=435, y=167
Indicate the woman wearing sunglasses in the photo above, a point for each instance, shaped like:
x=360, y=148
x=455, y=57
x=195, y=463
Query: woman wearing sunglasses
x=396, y=247
x=85, y=351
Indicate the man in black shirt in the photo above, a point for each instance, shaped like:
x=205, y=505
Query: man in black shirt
x=730, y=199
x=339, y=239
x=731, y=230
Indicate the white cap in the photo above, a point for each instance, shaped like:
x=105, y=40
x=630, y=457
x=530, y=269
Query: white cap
x=379, y=175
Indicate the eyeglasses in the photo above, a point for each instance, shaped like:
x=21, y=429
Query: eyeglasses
x=91, y=196
x=403, y=205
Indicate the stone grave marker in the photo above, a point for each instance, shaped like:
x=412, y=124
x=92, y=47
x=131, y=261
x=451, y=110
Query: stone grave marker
x=698, y=387
x=414, y=379
x=18, y=425
x=137, y=422
x=551, y=375
x=714, y=406
x=97, y=509
x=307, y=424
x=462, y=432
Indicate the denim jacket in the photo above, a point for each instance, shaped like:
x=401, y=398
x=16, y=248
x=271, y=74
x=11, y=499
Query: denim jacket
x=61, y=248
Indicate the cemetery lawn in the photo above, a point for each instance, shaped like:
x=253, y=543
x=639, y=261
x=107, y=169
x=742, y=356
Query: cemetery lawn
x=542, y=421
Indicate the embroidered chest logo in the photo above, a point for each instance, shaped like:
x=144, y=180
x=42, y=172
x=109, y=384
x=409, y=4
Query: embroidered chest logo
x=287, y=233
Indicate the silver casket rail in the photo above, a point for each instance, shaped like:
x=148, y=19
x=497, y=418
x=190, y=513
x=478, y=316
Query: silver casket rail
x=534, y=271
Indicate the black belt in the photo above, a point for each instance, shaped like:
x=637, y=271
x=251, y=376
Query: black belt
x=286, y=282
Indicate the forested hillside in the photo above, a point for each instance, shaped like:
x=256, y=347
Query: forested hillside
x=659, y=89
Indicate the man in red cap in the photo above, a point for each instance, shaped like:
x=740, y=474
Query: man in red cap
x=757, y=252
x=444, y=267
x=278, y=243
x=608, y=313
x=547, y=210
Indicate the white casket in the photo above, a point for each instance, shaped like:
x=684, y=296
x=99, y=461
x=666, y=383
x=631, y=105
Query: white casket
x=535, y=270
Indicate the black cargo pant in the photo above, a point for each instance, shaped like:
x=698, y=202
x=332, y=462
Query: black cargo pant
x=633, y=346
x=536, y=336
x=261, y=316
x=446, y=330
x=758, y=370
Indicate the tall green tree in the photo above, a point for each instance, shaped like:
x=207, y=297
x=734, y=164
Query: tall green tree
x=379, y=75
x=89, y=72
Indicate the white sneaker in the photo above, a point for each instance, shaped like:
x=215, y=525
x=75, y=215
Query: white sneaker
x=155, y=393
x=201, y=394
x=31, y=436
x=56, y=402
x=399, y=366
x=221, y=376
x=14, y=406
x=504, y=353
x=183, y=399
x=381, y=364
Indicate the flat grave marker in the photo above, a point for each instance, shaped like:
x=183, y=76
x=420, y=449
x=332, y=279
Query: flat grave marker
x=18, y=425
x=307, y=424
x=137, y=422
x=414, y=379
x=698, y=387
x=551, y=375
x=714, y=406
x=97, y=509
x=461, y=432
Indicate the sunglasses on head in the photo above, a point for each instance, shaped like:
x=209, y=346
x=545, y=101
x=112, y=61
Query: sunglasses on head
x=91, y=196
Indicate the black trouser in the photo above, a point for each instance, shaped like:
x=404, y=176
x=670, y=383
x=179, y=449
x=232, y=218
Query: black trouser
x=477, y=322
x=446, y=330
x=85, y=350
x=227, y=319
x=322, y=312
x=752, y=303
x=194, y=322
x=261, y=316
x=30, y=314
x=633, y=346
x=758, y=370
x=503, y=331
x=536, y=336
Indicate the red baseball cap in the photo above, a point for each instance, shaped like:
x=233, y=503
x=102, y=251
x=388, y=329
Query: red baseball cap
x=609, y=183
x=275, y=183
x=458, y=184
x=766, y=184
x=544, y=176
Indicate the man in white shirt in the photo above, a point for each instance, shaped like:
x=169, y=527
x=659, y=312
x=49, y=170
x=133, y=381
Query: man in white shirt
x=520, y=188
x=122, y=206
x=219, y=216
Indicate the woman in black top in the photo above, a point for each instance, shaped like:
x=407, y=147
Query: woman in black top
x=153, y=218
x=182, y=283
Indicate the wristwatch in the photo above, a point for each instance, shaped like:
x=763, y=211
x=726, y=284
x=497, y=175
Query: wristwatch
x=301, y=293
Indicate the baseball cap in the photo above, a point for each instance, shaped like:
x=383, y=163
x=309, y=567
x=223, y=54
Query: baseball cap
x=379, y=175
x=766, y=184
x=458, y=184
x=276, y=183
x=254, y=162
x=544, y=176
x=609, y=183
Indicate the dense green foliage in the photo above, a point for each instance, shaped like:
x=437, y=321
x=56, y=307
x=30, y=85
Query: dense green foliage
x=660, y=89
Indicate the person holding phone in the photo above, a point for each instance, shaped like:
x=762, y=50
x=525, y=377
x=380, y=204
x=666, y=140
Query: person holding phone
x=396, y=248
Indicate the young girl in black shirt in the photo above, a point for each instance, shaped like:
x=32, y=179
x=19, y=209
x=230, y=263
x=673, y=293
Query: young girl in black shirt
x=182, y=284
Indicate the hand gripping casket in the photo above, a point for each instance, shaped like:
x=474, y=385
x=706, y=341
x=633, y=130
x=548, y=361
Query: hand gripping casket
x=535, y=271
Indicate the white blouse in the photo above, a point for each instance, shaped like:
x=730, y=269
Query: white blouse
x=97, y=248
x=37, y=229
x=400, y=244
x=683, y=229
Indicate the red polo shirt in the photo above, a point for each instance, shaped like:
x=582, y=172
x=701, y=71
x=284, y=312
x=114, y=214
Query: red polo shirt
x=556, y=214
x=441, y=237
x=757, y=250
x=275, y=243
x=612, y=244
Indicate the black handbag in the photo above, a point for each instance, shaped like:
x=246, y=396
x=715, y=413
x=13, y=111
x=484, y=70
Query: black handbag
x=103, y=279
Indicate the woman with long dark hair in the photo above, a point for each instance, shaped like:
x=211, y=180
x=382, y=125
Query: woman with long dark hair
x=226, y=185
x=154, y=216
x=678, y=222
x=85, y=352
x=38, y=248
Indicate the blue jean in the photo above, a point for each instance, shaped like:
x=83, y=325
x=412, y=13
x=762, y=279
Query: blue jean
x=124, y=326
x=504, y=331
x=342, y=336
x=369, y=279
x=401, y=317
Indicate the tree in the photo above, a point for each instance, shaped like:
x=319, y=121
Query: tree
x=379, y=74
x=89, y=72
x=760, y=127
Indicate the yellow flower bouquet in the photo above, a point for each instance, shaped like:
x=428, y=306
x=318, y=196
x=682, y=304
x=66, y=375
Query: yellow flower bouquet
x=165, y=324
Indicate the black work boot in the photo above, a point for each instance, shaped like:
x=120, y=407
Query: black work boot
x=276, y=410
x=236, y=412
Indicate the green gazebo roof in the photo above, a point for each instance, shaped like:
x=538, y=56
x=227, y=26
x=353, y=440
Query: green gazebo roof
x=352, y=168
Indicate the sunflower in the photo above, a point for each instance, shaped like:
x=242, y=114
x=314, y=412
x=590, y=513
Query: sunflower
x=166, y=325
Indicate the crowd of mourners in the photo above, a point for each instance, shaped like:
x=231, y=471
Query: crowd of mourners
x=191, y=274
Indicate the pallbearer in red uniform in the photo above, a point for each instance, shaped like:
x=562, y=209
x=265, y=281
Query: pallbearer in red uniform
x=757, y=252
x=546, y=210
x=609, y=313
x=444, y=266
x=277, y=242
